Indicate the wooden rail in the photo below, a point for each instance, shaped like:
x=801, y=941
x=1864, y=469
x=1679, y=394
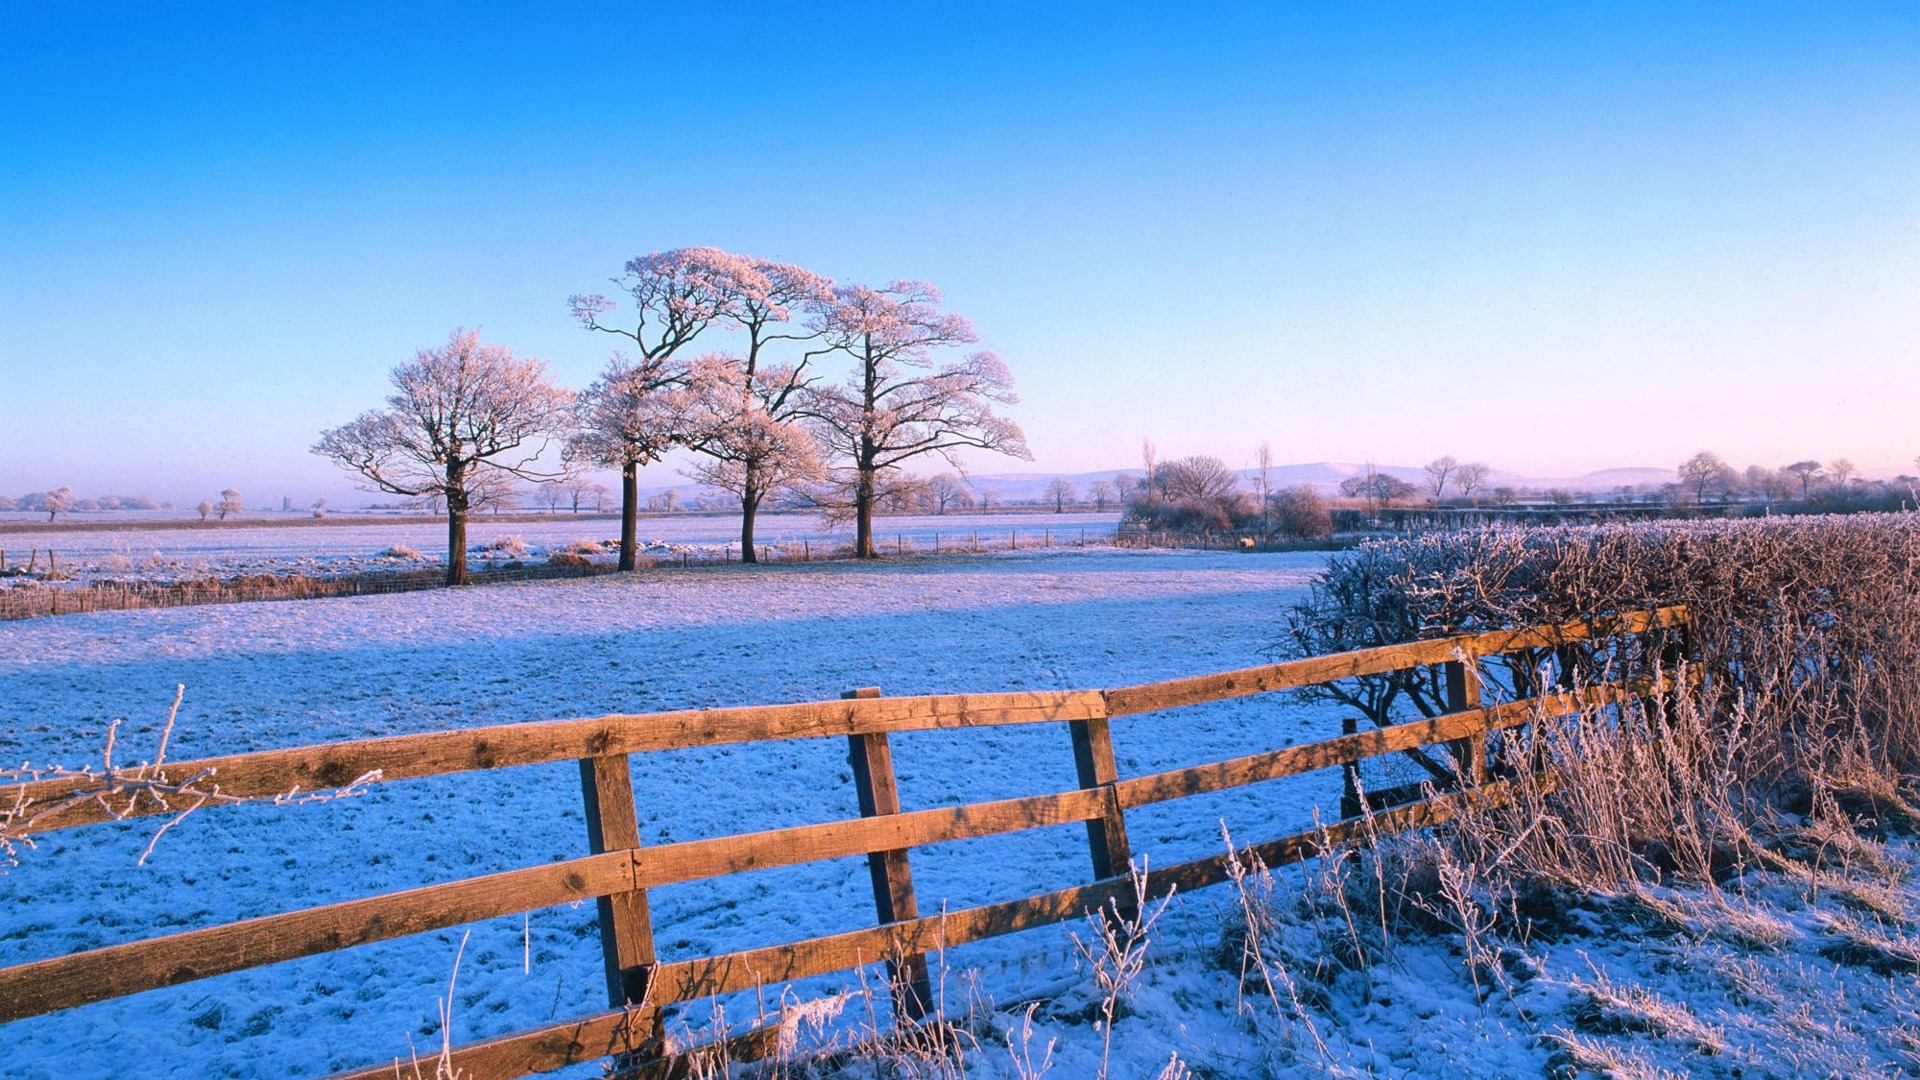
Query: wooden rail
x=618, y=870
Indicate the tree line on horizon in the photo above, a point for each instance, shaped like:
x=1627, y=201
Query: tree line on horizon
x=468, y=417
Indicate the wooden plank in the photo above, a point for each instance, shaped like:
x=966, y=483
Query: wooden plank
x=1345, y=749
x=45, y=986
x=270, y=773
x=515, y=1055
x=878, y=792
x=626, y=923
x=1151, y=697
x=543, y=1049
x=691, y=860
x=1094, y=765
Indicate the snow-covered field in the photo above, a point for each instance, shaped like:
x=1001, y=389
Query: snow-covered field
x=334, y=547
x=267, y=675
x=1773, y=974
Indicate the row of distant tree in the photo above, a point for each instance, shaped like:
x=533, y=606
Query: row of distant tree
x=827, y=390
x=62, y=500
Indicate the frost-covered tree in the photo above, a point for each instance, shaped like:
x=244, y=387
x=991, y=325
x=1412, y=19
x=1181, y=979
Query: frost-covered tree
x=205, y=509
x=630, y=416
x=1060, y=492
x=902, y=401
x=748, y=427
x=231, y=504
x=461, y=416
x=58, y=501
x=947, y=490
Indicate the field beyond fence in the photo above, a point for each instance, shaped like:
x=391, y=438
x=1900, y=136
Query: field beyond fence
x=50, y=592
x=618, y=870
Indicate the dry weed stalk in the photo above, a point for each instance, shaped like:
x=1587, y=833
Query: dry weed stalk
x=1116, y=952
x=118, y=791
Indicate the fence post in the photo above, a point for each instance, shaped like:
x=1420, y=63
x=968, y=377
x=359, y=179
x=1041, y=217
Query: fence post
x=1094, y=763
x=626, y=925
x=1350, y=774
x=893, y=899
x=1463, y=693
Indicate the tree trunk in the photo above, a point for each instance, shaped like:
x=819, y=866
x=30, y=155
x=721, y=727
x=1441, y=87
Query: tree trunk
x=629, y=511
x=750, y=497
x=863, y=516
x=456, y=525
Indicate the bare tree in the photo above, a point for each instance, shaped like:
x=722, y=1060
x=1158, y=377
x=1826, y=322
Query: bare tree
x=901, y=402
x=205, y=508
x=1471, y=477
x=460, y=414
x=1806, y=472
x=1704, y=471
x=1102, y=492
x=1061, y=491
x=231, y=503
x=1301, y=511
x=1438, y=471
x=1149, y=456
x=1263, y=464
x=948, y=490
x=1842, y=471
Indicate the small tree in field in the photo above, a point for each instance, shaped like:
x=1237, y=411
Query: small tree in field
x=231, y=504
x=465, y=417
x=205, y=509
x=1804, y=473
x=948, y=491
x=901, y=401
x=1706, y=471
x=1301, y=511
x=58, y=501
x=1471, y=477
x=1060, y=492
x=1102, y=492
x=1439, y=471
x=1842, y=470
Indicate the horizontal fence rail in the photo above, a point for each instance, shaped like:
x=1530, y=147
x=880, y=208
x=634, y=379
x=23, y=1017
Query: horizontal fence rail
x=619, y=870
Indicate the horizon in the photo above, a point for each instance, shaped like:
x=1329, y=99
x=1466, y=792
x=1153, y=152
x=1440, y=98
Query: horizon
x=1557, y=240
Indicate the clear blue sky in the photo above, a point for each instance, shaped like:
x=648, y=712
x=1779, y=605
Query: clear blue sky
x=1553, y=237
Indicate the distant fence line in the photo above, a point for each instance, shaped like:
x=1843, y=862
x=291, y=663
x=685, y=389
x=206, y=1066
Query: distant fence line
x=49, y=593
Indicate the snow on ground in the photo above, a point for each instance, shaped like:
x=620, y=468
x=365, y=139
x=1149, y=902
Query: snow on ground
x=282, y=674
x=334, y=547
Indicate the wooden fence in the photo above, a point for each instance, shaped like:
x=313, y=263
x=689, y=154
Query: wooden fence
x=618, y=870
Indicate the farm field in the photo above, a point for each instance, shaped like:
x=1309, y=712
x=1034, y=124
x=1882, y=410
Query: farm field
x=161, y=554
x=268, y=675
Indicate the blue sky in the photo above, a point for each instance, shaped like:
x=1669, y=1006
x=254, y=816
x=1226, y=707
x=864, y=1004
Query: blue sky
x=1556, y=238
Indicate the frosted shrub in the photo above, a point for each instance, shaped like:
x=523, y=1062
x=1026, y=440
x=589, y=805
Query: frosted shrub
x=1806, y=630
x=402, y=551
x=511, y=547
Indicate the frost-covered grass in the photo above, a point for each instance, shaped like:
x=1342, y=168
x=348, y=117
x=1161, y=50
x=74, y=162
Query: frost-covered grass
x=266, y=675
